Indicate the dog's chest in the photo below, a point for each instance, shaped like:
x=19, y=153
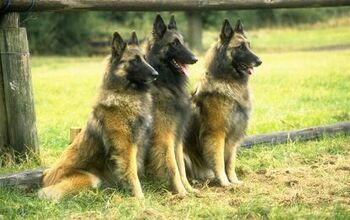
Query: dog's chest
x=237, y=122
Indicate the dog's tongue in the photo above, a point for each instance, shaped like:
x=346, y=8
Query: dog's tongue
x=185, y=69
x=251, y=70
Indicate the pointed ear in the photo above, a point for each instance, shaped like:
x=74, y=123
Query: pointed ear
x=159, y=27
x=226, y=31
x=239, y=27
x=172, y=23
x=118, y=45
x=134, y=39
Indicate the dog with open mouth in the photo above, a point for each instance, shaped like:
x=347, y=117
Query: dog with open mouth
x=169, y=56
x=221, y=108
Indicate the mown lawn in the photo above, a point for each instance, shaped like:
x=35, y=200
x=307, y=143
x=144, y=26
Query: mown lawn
x=291, y=90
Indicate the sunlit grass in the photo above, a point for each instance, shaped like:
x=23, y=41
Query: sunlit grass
x=291, y=90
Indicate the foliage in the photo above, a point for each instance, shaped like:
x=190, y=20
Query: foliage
x=60, y=33
x=71, y=32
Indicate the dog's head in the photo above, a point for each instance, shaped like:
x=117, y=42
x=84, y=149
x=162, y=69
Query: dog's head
x=235, y=51
x=128, y=62
x=170, y=46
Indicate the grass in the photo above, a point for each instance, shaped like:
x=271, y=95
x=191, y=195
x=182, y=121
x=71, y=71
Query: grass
x=291, y=90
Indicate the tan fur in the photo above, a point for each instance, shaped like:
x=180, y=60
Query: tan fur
x=162, y=159
x=107, y=149
x=217, y=145
x=221, y=107
x=171, y=103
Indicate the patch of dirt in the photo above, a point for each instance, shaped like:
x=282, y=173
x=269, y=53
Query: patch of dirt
x=150, y=213
x=328, y=181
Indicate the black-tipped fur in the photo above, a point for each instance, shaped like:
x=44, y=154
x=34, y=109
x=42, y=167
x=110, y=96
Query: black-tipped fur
x=110, y=147
x=221, y=106
x=167, y=53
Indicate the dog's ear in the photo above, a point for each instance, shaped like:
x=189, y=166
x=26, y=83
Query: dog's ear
x=118, y=45
x=226, y=31
x=134, y=39
x=239, y=27
x=159, y=27
x=172, y=23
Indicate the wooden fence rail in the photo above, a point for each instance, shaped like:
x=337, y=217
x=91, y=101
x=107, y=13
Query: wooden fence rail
x=32, y=179
x=161, y=5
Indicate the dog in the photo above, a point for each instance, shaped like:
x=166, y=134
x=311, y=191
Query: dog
x=167, y=53
x=221, y=107
x=111, y=147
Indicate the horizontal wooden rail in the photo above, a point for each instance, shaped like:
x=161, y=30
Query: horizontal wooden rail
x=32, y=179
x=297, y=135
x=160, y=5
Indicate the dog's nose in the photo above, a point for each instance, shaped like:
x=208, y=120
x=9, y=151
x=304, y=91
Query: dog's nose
x=154, y=73
x=194, y=59
x=258, y=62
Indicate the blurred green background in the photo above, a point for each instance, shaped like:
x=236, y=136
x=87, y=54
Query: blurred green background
x=82, y=33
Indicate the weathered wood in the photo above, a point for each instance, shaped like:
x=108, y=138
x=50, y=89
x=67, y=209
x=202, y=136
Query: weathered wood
x=194, y=30
x=29, y=179
x=17, y=85
x=32, y=179
x=9, y=21
x=3, y=115
x=297, y=135
x=161, y=5
x=73, y=133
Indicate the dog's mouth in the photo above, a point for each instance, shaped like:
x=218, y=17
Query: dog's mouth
x=180, y=67
x=245, y=68
x=148, y=81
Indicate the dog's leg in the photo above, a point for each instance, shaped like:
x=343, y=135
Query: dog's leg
x=173, y=169
x=163, y=161
x=231, y=163
x=70, y=184
x=182, y=169
x=213, y=151
x=125, y=158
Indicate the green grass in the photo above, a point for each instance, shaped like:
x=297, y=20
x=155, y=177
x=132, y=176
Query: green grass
x=291, y=90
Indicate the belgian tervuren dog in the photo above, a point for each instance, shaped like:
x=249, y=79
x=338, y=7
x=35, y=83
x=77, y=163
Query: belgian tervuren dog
x=167, y=53
x=221, y=106
x=110, y=147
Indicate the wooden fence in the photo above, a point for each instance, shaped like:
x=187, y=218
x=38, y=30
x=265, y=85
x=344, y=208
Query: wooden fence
x=17, y=113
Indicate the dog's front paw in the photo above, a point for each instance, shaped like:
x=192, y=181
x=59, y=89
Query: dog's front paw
x=237, y=182
x=225, y=183
x=234, y=180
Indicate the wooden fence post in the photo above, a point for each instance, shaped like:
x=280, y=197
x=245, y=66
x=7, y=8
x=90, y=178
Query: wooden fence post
x=16, y=96
x=194, y=30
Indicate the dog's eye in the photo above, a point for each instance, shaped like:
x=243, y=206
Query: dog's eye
x=175, y=42
x=242, y=47
x=134, y=62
